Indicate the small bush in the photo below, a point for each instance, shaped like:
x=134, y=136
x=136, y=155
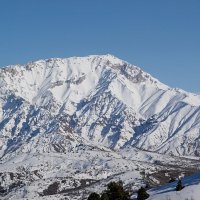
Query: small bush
x=179, y=186
x=116, y=191
x=142, y=194
x=94, y=196
x=104, y=196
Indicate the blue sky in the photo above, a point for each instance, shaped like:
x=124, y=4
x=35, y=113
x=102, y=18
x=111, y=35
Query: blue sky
x=160, y=36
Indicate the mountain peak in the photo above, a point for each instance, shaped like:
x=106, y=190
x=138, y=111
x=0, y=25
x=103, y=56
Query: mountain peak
x=38, y=77
x=103, y=98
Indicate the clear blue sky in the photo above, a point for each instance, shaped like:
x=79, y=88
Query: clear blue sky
x=160, y=36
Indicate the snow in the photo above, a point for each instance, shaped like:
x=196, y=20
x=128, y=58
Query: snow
x=102, y=85
x=84, y=118
x=191, y=191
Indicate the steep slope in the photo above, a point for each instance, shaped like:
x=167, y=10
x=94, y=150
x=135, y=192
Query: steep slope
x=98, y=98
x=80, y=122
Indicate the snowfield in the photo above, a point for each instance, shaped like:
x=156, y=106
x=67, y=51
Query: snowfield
x=80, y=122
x=167, y=192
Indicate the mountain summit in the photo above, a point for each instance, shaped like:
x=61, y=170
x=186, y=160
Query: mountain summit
x=45, y=105
x=69, y=126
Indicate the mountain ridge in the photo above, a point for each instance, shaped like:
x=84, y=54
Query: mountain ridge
x=112, y=97
x=79, y=123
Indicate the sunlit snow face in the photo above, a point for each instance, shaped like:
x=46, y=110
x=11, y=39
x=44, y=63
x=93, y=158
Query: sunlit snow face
x=106, y=99
x=87, y=119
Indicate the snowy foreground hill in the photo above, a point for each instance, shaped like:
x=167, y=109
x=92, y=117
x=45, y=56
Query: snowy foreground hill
x=191, y=190
x=80, y=122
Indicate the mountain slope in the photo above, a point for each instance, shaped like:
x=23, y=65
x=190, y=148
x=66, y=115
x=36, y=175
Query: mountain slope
x=98, y=98
x=190, y=191
x=77, y=123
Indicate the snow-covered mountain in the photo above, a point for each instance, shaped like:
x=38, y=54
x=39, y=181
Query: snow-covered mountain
x=83, y=121
x=98, y=98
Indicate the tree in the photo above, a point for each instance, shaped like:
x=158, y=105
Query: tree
x=104, y=196
x=179, y=185
x=116, y=191
x=142, y=194
x=94, y=196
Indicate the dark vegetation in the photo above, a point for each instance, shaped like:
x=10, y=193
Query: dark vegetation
x=115, y=191
x=142, y=194
x=179, y=185
x=94, y=196
x=104, y=196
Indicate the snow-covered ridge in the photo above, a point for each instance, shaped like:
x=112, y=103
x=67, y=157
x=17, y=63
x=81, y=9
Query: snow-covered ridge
x=84, y=121
x=104, y=99
x=52, y=72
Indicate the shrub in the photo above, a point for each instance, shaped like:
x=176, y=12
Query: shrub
x=116, y=191
x=179, y=186
x=104, y=196
x=142, y=194
x=94, y=196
